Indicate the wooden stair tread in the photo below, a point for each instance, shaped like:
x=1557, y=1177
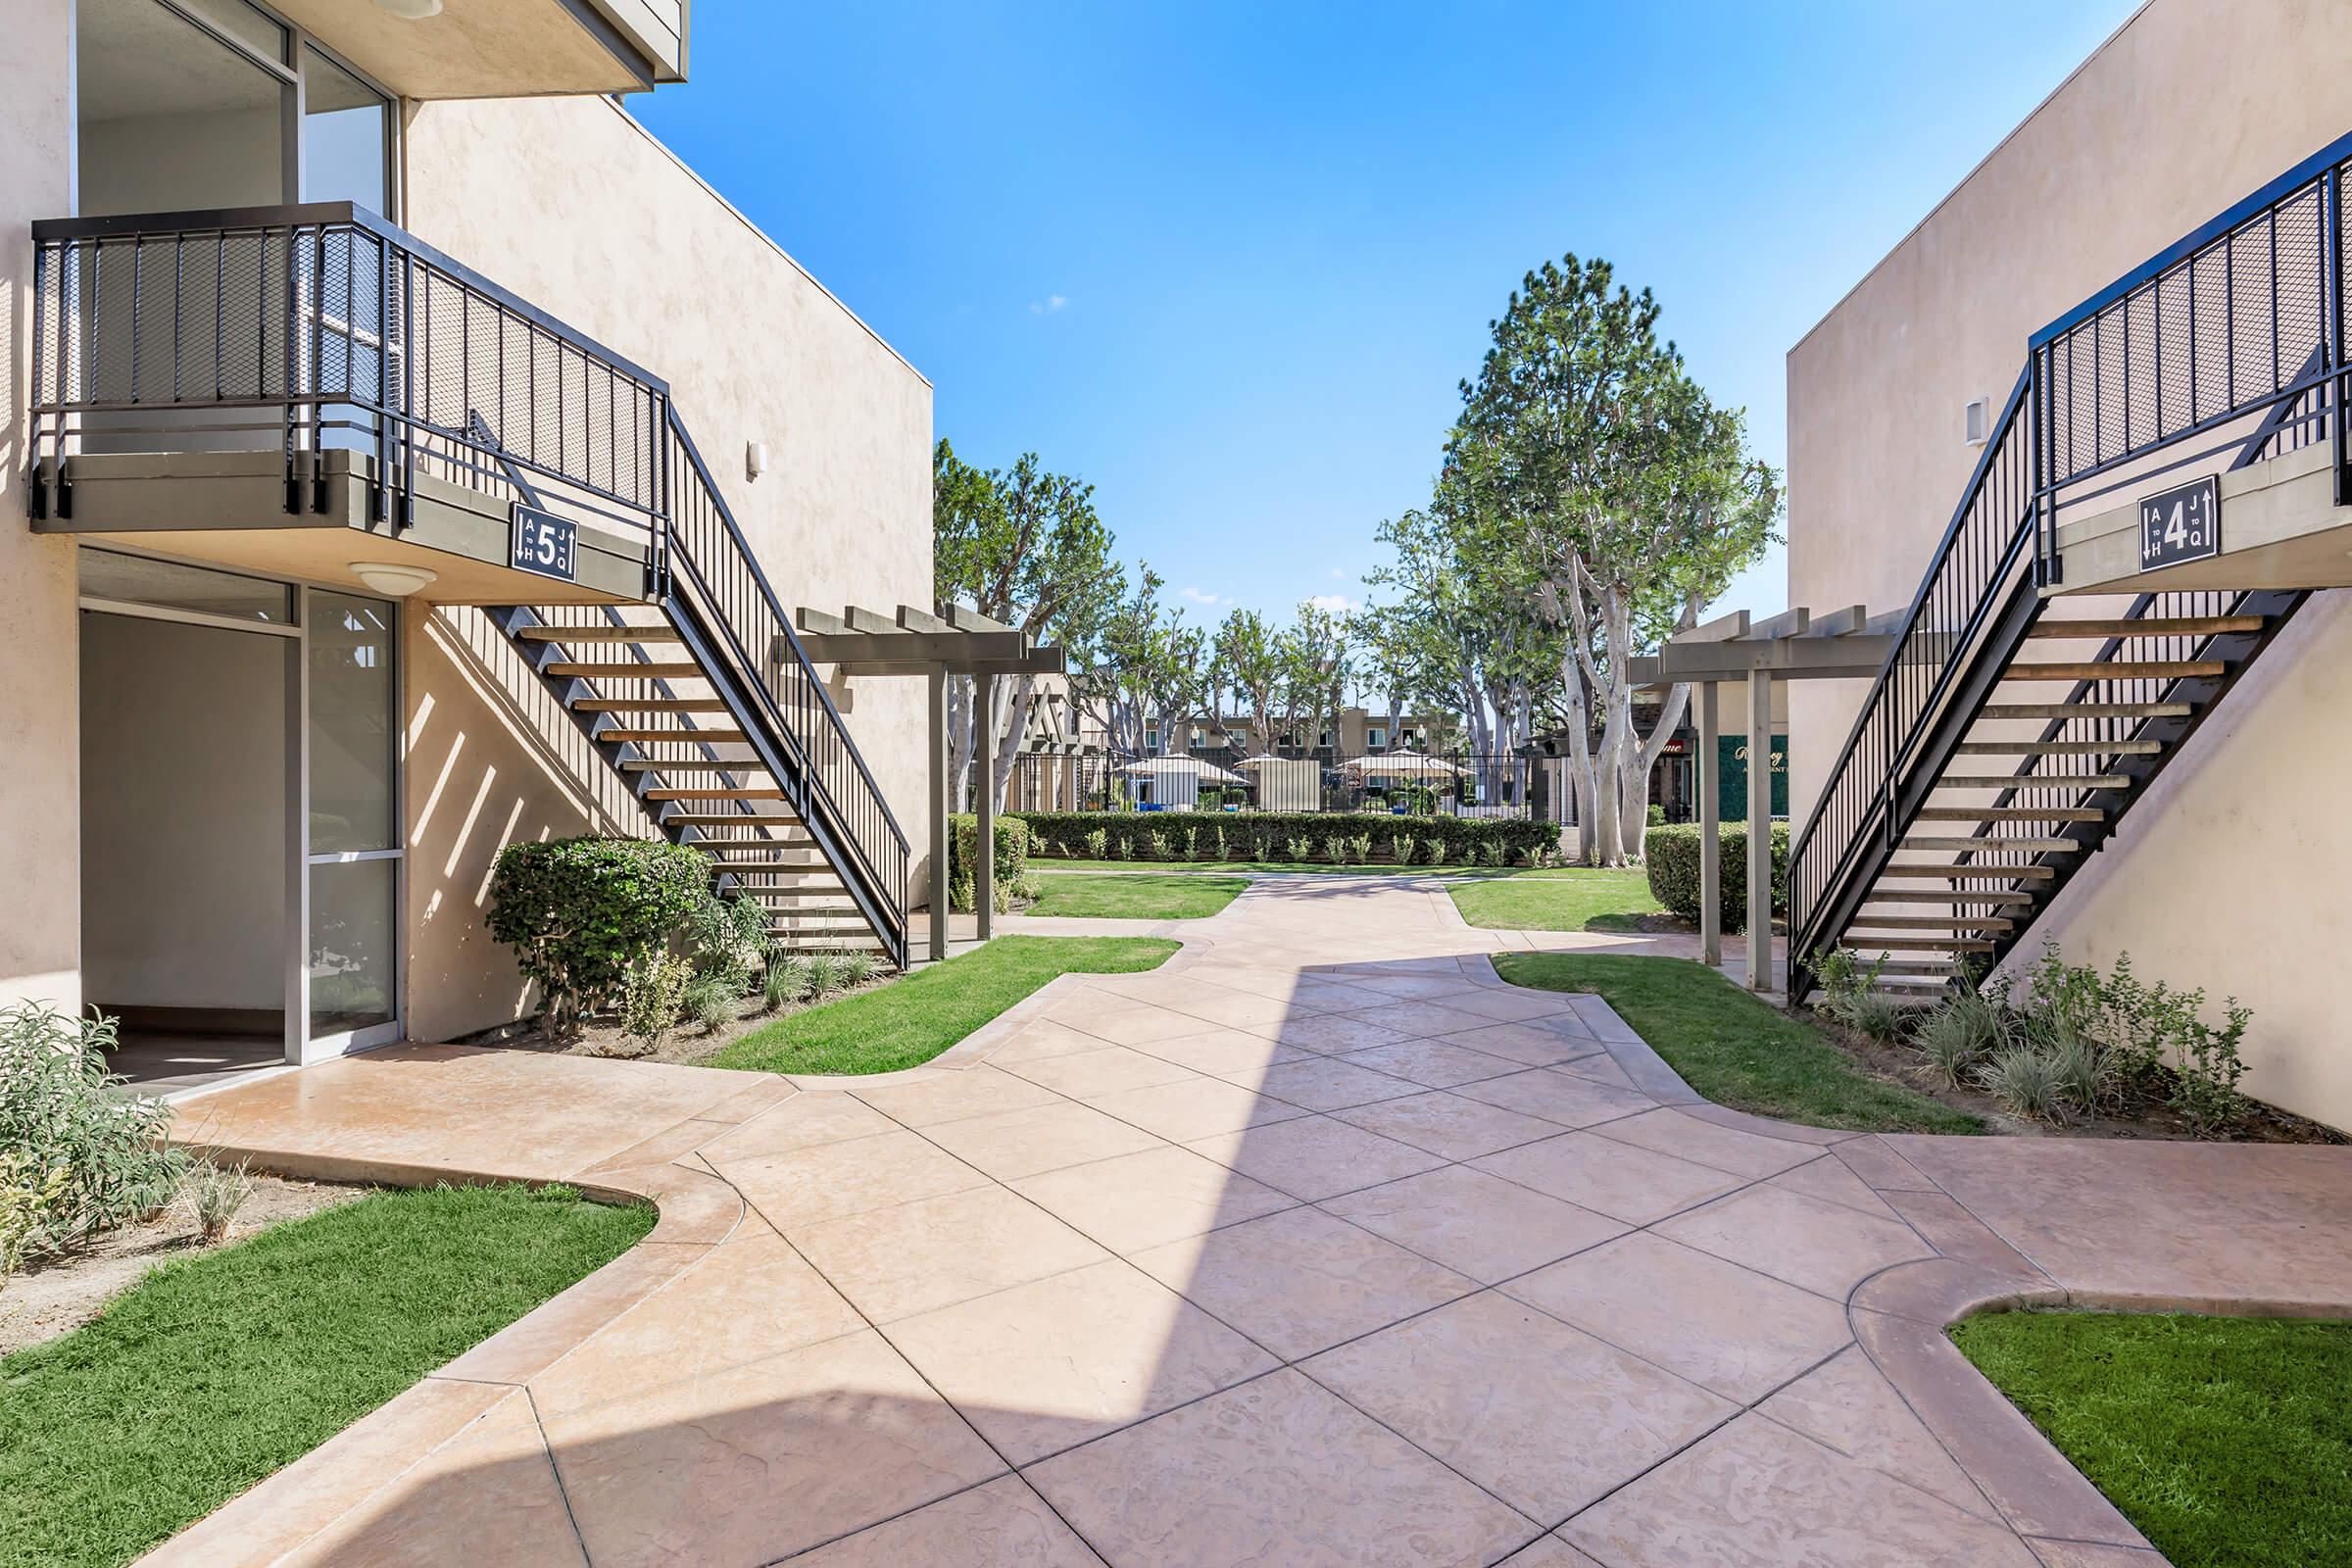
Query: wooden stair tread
x=657, y=737
x=2011, y=781
x=650, y=704
x=691, y=764
x=1866, y=924
x=737, y=819
x=1941, y=896
x=2120, y=670
x=2059, y=748
x=1973, y=874
x=1879, y=944
x=2149, y=626
x=2011, y=814
x=2031, y=846
x=688, y=671
x=598, y=634
x=2086, y=710
x=714, y=793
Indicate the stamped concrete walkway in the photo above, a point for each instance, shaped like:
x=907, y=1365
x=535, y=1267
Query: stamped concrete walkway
x=1318, y=1246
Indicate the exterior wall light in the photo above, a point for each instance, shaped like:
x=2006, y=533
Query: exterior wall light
x=411, y=10
x=754, y=458
x=1976, y=421
x=392, y=581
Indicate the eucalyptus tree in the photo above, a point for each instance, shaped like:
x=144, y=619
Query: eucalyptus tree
x=1247, y=656
x=1318, y=662
x=1632, y=497
x=1026, y=547
x=1146, y=667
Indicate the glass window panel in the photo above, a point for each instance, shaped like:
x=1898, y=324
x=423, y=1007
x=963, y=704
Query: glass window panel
x=169, y=117
x=136, y=580
x=352, y=944
x=244, y=23
x=351, y=723
x=343, y=133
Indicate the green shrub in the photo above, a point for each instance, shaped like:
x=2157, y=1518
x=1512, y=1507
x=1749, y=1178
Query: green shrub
x=1013, y=879
x=1657, y=815
x=856, y=968
x=651, y=996
x=83, y=1156
x=1437, y=852
x=216, y=1193
x=1217, y=843
x=1267, y=835
x=710, y=1002
x=1192, y=844
x=1401, y=846
x=578, y=913
x=1158, y=842
x=828, y=972
x=786, y=980
x=2027, y=1079
x=1671, y=854
x=1335, y=848
x=1958, y=1036
x=2147, y=1040
x=725, y=936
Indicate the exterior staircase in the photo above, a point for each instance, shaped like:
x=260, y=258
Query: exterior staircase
x=2015, y=726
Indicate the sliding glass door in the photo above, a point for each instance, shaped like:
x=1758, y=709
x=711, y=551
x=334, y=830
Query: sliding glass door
x=354, y=854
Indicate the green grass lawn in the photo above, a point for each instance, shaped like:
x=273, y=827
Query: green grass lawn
x=1575, y=899
x=1734, y=1050
x=221, y=1367
x=1136, y=898
x=2227, y=1441
x=907, y=1023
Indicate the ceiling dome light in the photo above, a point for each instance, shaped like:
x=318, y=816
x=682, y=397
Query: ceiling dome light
x=396, y=581
x=412, y=9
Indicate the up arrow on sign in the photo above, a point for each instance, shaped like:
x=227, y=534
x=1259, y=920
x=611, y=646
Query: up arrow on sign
x=543, y=543
x=2183, y=524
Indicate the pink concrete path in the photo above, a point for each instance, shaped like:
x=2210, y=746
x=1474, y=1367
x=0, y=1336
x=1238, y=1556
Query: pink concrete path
x=1318, y=1246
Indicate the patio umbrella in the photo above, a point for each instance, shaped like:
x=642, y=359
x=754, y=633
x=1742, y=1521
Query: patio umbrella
x=1192, y=768
x=1401, y=764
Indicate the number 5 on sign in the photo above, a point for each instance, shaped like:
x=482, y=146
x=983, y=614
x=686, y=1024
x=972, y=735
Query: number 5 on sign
x=2180, y=525
x=543, y=543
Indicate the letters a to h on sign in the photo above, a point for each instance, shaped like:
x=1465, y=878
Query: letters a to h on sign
x=2183, y=524
x=544, y=543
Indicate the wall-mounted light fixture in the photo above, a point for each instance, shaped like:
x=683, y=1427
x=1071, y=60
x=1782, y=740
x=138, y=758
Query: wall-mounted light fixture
x=1976, y=421
x=411, y=10
x=754, y=458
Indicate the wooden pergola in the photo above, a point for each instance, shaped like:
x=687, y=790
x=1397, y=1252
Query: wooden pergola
x=911, y=642
x=1844, y=645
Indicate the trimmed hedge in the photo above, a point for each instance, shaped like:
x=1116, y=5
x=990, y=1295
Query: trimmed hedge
x=1671, y=861
x=1012, y=880
x=1265, y=835
x=580, y=911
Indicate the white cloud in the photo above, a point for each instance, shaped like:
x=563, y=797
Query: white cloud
x=1200, y=597
x=1336, y=603
x=1049, y=305
x=1337, y=575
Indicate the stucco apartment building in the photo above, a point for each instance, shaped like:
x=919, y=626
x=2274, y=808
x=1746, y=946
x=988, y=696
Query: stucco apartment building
x=2130, y=317
x=406, y=455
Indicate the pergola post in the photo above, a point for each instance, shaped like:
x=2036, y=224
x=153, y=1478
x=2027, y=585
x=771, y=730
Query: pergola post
x=1759, y=830
x=1710, y=828
x=935, y=811
x=984, y=787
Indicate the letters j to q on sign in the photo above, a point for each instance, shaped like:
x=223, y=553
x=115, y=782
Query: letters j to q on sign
x=2179, y=524
x=544, y=543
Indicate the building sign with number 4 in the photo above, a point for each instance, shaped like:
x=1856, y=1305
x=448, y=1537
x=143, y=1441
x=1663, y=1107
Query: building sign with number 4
x=2180, y=525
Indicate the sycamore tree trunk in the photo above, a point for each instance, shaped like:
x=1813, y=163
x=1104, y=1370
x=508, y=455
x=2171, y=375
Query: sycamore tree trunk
x=1009, y=712
x=960, y=742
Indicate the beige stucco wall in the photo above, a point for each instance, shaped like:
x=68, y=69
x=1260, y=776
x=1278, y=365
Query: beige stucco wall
x=571, y=205
x=40, y=919
x=2190, y=107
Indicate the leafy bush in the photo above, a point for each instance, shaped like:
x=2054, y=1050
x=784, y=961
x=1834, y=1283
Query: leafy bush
x=1402, y=846
x=785, y=981
x=2206, y=1073
x=1158, y=842
x=651, y=998
x=1296, y=849
x=2141, y=1039
x=1264, y=835
x=580, y=911
x=1657, y=814
x=1192, y=844
x=83, y=1157
x=1013, y=879
x=1335, y=848
x=725, y=938
x=2027, y=1079
x=1671, y=860
x=1361, y=847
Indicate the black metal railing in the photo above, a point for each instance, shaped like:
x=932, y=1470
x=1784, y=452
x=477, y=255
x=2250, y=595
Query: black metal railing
x=320, y=329
x=2228, y=341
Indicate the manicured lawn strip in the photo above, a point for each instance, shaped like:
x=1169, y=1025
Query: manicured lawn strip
x=907, y=1023
x=1136, y=898
x=1581, y=899
x=1376, y=868
x=1734, y=1050
x=220, y=1368
x=2227, y=1441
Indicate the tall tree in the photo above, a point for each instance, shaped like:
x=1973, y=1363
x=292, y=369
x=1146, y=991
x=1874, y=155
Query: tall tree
x=1146, y=667
x=1633, y=498
x=1247, y=658
x=1027, y=548
x=1318, y=662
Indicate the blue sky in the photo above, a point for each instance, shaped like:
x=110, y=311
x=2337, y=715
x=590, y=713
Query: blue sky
x=1229, y=262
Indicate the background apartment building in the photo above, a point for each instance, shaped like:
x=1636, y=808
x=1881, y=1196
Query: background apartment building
x=2227, y=872
x=334, y=320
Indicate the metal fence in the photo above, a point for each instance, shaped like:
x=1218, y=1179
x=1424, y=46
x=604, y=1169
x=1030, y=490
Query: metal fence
x=1466, y=784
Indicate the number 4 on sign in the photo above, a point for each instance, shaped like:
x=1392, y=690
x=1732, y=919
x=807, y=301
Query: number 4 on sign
x=2175, y=527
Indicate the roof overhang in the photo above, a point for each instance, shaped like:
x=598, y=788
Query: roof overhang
x=505, y=48
x=1843, y=645
x=917, y=642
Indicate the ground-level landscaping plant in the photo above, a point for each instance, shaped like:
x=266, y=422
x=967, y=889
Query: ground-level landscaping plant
x=1301, y=835
x=914, y=1019
x=83, y=1156
x=216, y=1193
x=713, y=1003
x=1670, y=855
x=222, y=1367
x=1013, y=884
x=785, y=981
x=580, y=911
x=652, y=998
x=1734, y=1049
x=2227, y=1441
x=725, y=936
